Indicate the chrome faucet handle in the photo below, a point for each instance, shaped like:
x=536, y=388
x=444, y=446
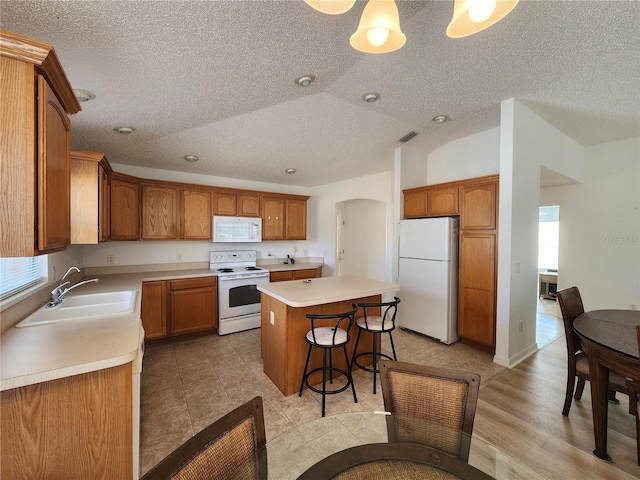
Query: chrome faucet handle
x=68, y=272
x=59, y=287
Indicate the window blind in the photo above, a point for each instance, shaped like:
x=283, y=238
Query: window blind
x=17, y=274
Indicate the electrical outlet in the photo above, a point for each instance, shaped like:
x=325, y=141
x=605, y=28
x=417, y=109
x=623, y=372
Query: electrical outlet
x=518, y=270
x=53, y=273
x=179, y=257
x=111, y=259
x=272, y=318
x=295, y=249
x=521, y=326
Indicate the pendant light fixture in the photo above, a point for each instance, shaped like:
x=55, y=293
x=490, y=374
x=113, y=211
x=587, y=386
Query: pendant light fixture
x=473, y=16
x=379, y=28
x=331, y=7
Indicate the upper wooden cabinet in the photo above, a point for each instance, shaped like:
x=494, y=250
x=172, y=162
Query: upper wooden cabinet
x=159, y=213
x=195, y=214
x=415, y=203
x=432, y=201
x=35, y=102
x=125, y=210
x=272, y=218
x=225, y=203
x=248, y=205
x=295, y=219
x=478, y=206
x=90, y=208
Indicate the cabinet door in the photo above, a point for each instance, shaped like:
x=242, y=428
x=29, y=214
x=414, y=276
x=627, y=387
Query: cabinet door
x=104, y=206
x=125, y=208
x=415, y=204
x=295, y=219
x=442, y=202
x=478, y=206
x=54, y=145
x=159, y=213
x=224, y=203
x=84, y=201
x=281, y=276
x=272, y=218
x=154, y=309
x=248, y=205
x=477, y=288
x=306, y=273
x=193, y=305
x=196, y=215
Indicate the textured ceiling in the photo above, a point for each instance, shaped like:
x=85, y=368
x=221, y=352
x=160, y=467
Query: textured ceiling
x=216, y=79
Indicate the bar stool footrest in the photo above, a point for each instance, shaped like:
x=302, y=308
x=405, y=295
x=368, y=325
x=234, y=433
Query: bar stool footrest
x=328, y=370
x=372, y=367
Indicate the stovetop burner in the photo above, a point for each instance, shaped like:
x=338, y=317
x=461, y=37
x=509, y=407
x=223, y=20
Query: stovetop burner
x=225, y=270
x=253, y=268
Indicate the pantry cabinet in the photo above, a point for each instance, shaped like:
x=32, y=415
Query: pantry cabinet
x=195, y=215
x=125, y=210
x=90, y=197
x=36, y=101
x=159, y=213
x=479, y=206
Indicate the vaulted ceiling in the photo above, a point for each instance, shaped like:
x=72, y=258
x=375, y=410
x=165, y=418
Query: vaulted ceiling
x=216, y=79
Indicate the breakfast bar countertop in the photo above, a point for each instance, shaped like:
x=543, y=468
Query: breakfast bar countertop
x=319, y=291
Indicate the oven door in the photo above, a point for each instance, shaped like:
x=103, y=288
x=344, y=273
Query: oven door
x=239, y=296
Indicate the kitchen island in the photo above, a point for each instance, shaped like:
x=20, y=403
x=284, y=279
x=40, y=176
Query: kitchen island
x=284, y=323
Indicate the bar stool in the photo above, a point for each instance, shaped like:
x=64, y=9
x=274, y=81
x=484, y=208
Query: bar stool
x=376, y=324
x=327, y=338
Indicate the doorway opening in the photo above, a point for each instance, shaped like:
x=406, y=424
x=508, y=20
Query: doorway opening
x=549, y=325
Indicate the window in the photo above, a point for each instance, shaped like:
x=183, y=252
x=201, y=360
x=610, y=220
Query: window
x=17, y=274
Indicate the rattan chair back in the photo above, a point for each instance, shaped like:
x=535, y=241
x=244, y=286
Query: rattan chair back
x=430, y=405
x=232, y=447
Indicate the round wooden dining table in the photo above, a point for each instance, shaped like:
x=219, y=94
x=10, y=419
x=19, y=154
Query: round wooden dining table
x=609, y=338
x=302, y=449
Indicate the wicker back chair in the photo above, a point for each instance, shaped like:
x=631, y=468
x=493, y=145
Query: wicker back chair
x=232, y=447
x=577, y=361
x=430, y=406
x=634, y=399
x=381, y=461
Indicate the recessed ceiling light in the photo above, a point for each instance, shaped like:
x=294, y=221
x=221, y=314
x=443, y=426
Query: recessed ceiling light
x=290, y=171
x=191, y=158
x=124, y=130
x=84, y=95
x=440, y=118
x=371, y=97
x=305, y=80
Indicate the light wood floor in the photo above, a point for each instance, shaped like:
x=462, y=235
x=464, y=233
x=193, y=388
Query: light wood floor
x=189, y=384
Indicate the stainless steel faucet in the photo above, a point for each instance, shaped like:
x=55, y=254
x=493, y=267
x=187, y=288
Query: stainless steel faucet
x=57, y=294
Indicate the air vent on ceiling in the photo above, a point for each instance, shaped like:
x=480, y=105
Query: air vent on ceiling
x=408, y=136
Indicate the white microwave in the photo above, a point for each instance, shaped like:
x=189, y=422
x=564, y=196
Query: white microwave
x=236, y=229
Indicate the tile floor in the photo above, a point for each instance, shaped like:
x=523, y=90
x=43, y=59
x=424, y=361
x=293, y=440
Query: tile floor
x=186, y=385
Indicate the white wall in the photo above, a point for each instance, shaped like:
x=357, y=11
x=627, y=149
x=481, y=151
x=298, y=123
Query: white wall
x=527, y=142
x=364, y=237
x=600, y=227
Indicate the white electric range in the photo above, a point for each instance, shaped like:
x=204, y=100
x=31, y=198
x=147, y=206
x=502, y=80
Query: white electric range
x=238, y=297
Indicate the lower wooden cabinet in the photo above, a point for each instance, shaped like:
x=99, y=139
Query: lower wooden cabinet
x=73, y=427
x=154, y=309
x=285, y=275
x=193, y=304
x=177, y=307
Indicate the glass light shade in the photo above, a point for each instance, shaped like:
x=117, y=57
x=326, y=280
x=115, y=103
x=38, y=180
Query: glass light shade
x=332, y=7
x=461, y=24
x=378, y=18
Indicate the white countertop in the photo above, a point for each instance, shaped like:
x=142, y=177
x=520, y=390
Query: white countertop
x=298, y=293
x=41, y=353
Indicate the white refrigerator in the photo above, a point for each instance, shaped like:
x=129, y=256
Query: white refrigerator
x=428, y=274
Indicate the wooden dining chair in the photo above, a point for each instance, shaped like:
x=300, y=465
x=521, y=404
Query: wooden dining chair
x=634, y=399
x=430, y=405
x=232, y=447
x=384, y=461
x=577, y=361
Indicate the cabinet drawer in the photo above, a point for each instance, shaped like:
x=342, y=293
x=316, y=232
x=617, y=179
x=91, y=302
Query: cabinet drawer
x=186, y=283
x=282, y=276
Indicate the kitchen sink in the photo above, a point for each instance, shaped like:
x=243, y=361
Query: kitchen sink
x=81, y=307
